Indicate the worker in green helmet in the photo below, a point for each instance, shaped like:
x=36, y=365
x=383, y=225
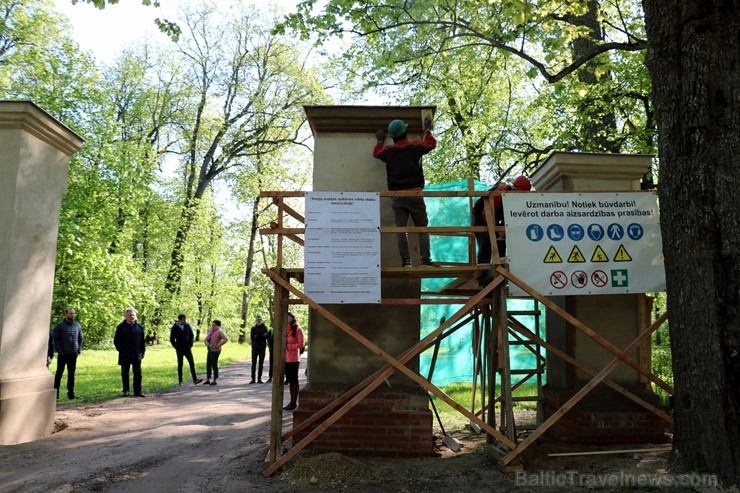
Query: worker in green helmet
x=404, y=172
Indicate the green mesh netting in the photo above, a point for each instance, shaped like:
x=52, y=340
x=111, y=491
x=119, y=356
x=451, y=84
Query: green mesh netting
x=455, y=358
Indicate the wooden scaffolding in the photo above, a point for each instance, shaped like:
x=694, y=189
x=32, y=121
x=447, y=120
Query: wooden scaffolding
x=481, y=292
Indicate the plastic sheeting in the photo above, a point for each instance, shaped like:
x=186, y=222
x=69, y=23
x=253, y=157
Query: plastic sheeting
x=455, y=358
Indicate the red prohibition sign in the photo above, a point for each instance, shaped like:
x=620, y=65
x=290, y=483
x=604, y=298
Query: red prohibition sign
x=558, y=279
x=579, y=279
x=599, y=278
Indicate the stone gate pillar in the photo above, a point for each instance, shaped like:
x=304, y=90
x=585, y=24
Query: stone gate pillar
x=34, y=155
x=394, y=420
x=603, y=415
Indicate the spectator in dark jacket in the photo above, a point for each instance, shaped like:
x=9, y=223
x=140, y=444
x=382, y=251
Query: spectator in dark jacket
x=67, y=336
x=258, y=335
x=50, y=348
x=129, y=342
x=181, y=338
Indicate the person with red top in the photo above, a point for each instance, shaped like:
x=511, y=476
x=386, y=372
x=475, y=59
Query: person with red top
x=214, y=340
x=294, y=341
x=520, y=183
x=404, y=172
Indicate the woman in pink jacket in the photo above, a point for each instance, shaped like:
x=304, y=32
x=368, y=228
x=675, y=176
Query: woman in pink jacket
x=293, y=344
x=214, y=340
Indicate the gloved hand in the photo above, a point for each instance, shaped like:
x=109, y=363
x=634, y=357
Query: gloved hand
x=380, y=135
x=428, y=123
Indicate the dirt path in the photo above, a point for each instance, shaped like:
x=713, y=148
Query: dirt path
x=209, y=439
x=188, y=439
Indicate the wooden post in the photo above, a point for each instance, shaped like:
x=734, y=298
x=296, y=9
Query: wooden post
x=278, y=372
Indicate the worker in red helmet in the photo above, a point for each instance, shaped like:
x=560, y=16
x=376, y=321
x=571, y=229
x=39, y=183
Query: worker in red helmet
x=520, y=183
x=404, y=172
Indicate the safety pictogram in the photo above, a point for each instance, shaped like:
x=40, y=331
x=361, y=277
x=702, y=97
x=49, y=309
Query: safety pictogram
x=576, y=257
x=599, y=278
x=558, y=279
x=579, y=279
x=620, y=278
x=552, y=257
x=599, y=255
x=622, y=255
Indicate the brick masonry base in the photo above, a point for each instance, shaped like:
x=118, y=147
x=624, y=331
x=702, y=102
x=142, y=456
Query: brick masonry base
x=384, y=424
x=604, y=418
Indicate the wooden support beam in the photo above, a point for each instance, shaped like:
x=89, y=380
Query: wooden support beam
x=579, y=395
x=278, y=360
x=586, y=369
x=585, y=329
x=394, y=365
x=290, y=211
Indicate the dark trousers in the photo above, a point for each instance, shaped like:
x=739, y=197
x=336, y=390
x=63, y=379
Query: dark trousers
x=212, y=364
x=136, y=366
x=416, y=209
x=258, y=361
x=188, y=354
x=269, y=365
x=70, y=361
x=484, y=243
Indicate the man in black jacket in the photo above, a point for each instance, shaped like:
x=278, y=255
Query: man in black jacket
x=404, y=172
x=181, y=338
x=258, y=336
x=67, y=337
x=129, y=342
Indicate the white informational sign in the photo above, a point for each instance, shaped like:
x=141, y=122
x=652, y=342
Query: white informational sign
x=584, y=243
x=342, y=247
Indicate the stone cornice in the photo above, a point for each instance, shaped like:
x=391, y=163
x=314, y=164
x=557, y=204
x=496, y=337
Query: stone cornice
x=583, y=165
x=347, y=119
x=27, y=116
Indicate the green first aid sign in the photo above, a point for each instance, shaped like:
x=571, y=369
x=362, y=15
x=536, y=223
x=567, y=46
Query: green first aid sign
x=620, y=278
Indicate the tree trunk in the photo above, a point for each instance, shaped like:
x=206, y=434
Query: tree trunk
x=694, y=61
x=599, y=123
x=250, y=264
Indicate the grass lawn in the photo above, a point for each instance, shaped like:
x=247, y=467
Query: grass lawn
x=462, y=394
x=98, y=376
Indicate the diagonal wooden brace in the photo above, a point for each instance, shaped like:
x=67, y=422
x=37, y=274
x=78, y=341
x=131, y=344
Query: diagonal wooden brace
x=586, y=330
x=394, y=365
x=570, y=359
x=578, y=395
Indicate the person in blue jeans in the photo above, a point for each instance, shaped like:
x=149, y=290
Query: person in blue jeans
x=215, y=339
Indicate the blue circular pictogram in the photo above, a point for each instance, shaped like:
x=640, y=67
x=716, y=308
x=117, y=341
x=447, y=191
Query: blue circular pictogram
x=615, y=231
x=635, y=231
x=535, y=232
x=575, y=232
x=555, y=232
x=595, y=231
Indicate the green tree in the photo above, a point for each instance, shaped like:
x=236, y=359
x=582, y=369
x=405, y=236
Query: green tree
x=693, y=54
x=491, y=65
x=249, y=88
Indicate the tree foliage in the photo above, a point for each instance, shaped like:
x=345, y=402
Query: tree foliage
x=154, y=120
x=513, y=80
